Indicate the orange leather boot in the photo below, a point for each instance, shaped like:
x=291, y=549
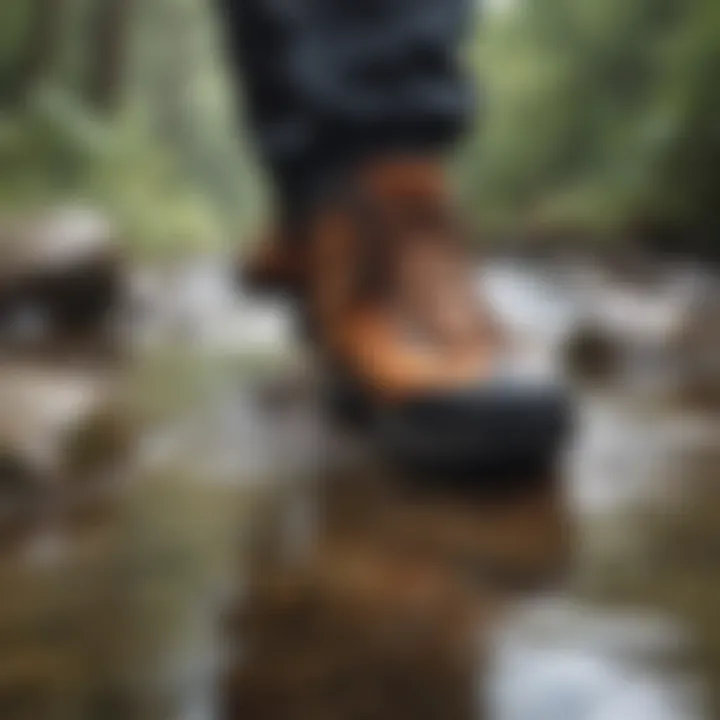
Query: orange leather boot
x=408, y=345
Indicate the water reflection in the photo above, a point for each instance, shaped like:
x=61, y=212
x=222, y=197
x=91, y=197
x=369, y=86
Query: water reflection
x=388, y=610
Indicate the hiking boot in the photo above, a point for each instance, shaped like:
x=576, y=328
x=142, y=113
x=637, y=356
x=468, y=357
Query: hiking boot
x=410, y=349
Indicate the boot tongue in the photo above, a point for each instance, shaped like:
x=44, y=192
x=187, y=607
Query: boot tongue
x=436, y=293
x=416, y=255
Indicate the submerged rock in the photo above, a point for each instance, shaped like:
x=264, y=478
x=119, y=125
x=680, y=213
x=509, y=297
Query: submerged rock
x=59, y=445
x=47, y=404
x=591, y=353
x=19, y=499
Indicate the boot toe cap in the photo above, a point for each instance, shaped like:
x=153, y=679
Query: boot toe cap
x=508, y=423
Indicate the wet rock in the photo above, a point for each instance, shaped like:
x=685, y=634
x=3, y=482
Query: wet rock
x=695, y=347
x=98, y=445
x=19, y=500
x=61, y=441
x=60, y=275
x=700, y=391
x=48, y=404
x=628, y=265
x=95, y=458
x=591, y=353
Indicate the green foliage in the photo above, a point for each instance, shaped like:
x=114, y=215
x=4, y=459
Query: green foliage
x=599, y=112
x=168, y=168
x=14, y=21
x=599, y=115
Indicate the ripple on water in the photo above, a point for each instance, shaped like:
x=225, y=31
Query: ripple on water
x=561, y=661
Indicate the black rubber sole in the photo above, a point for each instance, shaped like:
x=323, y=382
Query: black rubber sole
x=501, y=429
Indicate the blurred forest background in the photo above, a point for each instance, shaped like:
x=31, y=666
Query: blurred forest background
x=601, y=120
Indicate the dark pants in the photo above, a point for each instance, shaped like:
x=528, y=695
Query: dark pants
x=330, y=83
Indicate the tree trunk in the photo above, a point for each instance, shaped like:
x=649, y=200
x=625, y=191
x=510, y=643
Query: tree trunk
x=39, y=50
x=107, y=62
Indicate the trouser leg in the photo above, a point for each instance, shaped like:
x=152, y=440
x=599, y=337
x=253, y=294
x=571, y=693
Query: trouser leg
x=333, y=82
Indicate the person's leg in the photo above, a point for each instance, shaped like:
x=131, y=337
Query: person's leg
x=355, y=103
x=262, y=38
x=330, y=83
